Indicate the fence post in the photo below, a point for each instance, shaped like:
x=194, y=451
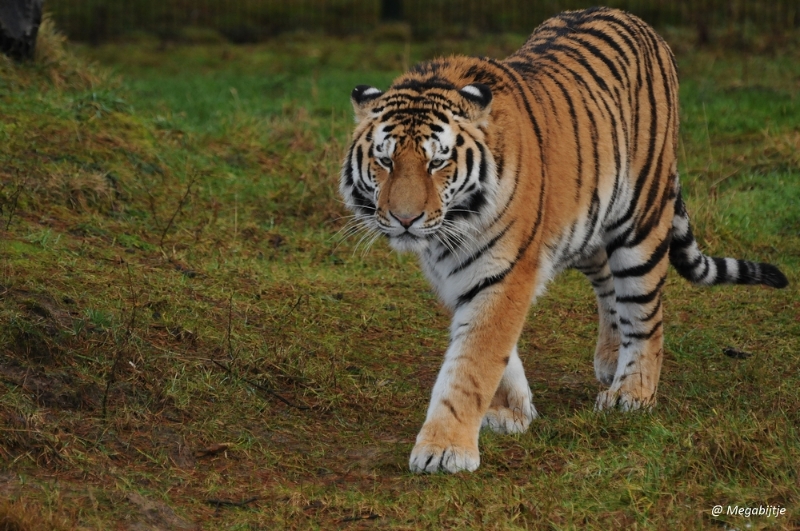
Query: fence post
x=19, y=25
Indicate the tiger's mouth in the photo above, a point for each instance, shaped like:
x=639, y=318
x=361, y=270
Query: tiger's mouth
x=411, y=239
x=407, y=243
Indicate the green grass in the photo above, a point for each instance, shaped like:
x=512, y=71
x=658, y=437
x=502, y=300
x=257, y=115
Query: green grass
x=171, y=279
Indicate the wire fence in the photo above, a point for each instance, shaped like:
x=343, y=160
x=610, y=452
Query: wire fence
x=253, y=20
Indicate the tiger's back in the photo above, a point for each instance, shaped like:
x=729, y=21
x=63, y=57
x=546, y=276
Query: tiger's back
x=606, y=88
x=499, y=174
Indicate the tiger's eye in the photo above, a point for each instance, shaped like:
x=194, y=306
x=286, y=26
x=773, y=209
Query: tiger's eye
x=386, y=161
x=438, y=163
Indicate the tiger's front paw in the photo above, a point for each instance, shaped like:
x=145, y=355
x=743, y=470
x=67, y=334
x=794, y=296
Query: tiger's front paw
x=623, y=400
x=514, y=416
x=431, y=457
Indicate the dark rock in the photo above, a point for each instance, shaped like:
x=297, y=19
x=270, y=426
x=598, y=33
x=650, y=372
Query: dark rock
x=19, y=25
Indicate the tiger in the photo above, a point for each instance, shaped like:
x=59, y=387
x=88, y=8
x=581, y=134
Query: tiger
x=498, y=175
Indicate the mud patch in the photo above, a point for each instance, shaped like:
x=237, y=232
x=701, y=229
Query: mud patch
x=155, y=516
x=36, y=333
x=56, y=390
x=174, y=445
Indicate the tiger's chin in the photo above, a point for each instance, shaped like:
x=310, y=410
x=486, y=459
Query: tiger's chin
x=408, y=243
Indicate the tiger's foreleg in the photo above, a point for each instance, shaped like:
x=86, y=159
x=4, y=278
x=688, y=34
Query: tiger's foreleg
x=639, y=273
x=484, y=333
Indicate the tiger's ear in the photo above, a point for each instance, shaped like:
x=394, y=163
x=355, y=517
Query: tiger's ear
x=480, y=96
x=360, y=98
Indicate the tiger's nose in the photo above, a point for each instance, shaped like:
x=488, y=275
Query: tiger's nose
x=406, y=220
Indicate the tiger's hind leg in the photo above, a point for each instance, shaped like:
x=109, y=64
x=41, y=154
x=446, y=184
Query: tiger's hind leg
x=639, y=272
x=598, y=272
x=511, y=410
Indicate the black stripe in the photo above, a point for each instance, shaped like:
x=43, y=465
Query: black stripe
x=362, y=201
x=680, y=243
x=594, y=50
x=644, y=335
x=481, y=251
x=643, y=230
x=483, y=284
x=603, y=36
x=420, y=86
x=643, y=269
x=653, y=313
x=697, y=259
x=348, y=167
x=619, y=241
x=645, y=297
x=722, y=269
x=466, y=175
x=594, y=216
x=359, y=160
x=469, y=161
x=622, y=25
x=748, y=272
x=482, y=167
x=472, y=206
x=578, y=58
x=600, y=281
x=440, y=115
x=521, y=92
x=707, y=266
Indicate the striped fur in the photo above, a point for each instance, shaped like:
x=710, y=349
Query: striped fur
x=500, y=174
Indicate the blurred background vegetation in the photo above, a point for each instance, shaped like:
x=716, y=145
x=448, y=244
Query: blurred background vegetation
x=246, y=21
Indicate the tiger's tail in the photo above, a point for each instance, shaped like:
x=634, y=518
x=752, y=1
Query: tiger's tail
x=698, y=268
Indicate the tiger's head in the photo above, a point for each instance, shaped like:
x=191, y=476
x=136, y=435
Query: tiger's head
x=418, y=168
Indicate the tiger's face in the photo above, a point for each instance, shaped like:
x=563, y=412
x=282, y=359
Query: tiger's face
x=418, y=168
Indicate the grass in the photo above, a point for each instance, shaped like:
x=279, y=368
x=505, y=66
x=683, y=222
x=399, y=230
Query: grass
x=180, y=327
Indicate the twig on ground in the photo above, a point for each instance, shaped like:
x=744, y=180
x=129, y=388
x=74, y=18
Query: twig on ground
x=175, y=214
x=370, y=516
x=230, y=503
x=13, y=203
x=292, y=309
x=214, y=449
x=230, y=326
x=735, y=353
x=112, y=375
x=151, y=200
x=258, y=386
